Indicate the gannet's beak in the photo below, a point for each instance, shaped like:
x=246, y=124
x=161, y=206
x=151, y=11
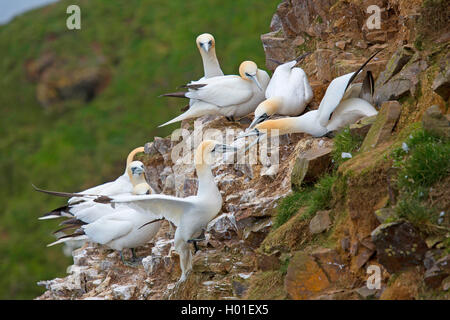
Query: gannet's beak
x=259, y=119
x=223, y=148
x=255, y=80
x=206, y=46
x=137, y=170
x=251, y=133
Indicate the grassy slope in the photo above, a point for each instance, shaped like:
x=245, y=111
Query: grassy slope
x=149, y=49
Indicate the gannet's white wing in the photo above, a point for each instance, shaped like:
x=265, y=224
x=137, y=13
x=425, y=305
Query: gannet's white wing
x=332, y=98
x=301, y=90
x=108, y=228
x=279, y=80
x=223, y=91
x=349, y=111
x=94, y=212
x=158, y=205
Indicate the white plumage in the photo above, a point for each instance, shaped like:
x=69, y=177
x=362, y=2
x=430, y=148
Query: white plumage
x=287, y=94
x=85, y=206
x=191, y=214
x=337, y=109
x=231, y=96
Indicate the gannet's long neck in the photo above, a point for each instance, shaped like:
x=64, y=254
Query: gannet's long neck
x=137, y=180
x=211, y=65
x=130, y=159
x=306, y=123
x=273, y=105
x=206, y=183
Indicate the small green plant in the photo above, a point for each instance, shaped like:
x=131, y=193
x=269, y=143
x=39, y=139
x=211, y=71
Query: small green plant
x=413, y=211
x=345, y=141
x=313, y=198
x=321, y=195
x=422, y=160
x=290, y=205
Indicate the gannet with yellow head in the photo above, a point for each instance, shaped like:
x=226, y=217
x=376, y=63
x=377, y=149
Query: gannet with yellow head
x=287, y=94
x=191, y=214
x=126, y=183
x=118, y=228
x=231, y=96
x=206, y=44
x=333, y=114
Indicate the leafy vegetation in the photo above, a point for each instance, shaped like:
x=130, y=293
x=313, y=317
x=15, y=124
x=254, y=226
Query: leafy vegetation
x=313, y=198
x=148, y=49
x=345, y=141
x=422, y=161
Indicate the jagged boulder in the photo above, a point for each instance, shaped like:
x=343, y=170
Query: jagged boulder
x=382, y=128
x=439, y=271
x=398, y=245
x=435, y=122
x=310, y=165
x=320, y=222
x=403, y=83
x=441, y=84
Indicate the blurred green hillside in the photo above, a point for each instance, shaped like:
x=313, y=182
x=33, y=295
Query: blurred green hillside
x=148, y=48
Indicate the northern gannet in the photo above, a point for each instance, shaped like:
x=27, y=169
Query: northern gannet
x=123, y=184
x=287, y=94
x=231, y=96
x=88, y=210
x=118, y=228
x=207, y=47
x=191, y=214
x=334, y=112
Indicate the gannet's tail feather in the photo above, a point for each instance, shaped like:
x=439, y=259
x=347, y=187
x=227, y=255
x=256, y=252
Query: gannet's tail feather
x=77, y=235
x=194, y=86
x=175, y=94
x=73, y=221
x=367, y=88
x=360, y=68
x=57, y=213
x=198, y=109
x=302, y=56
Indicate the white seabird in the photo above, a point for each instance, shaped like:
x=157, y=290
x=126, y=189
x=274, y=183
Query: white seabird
x=287, y=94
x=118, y=228
x=231, y=96
x=207, y=47
x=123, y=184
x=333, y=114
x=191, y=214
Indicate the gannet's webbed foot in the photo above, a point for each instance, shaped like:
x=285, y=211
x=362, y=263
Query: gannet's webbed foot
x=134, y=257
x=329, y=134
x=195, y=240
x=201, y=237
x=134, y=262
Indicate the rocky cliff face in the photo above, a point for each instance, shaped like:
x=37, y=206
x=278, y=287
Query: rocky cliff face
x=325, y=254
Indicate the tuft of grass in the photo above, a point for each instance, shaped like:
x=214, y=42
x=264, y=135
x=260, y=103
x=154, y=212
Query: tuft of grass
x=414, y=211
x=314, y=198
x=345, y=141
x=422, y=161
x=321, y=195
x=290, y=205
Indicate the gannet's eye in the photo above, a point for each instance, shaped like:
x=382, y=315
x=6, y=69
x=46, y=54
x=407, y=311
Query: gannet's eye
x=247, y=74
x=210, y=42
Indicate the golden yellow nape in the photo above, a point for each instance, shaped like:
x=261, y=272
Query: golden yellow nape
x=247, y=68
x=130, y=158
x=203, y=152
